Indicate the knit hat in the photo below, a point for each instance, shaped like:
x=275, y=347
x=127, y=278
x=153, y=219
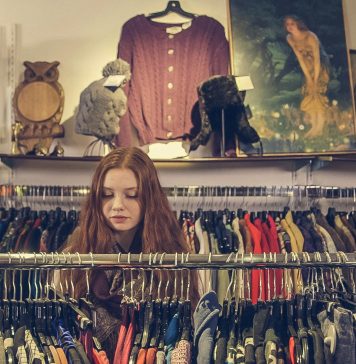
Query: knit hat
x=216, y=94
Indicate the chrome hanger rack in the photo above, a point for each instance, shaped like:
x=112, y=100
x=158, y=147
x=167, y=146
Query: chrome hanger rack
x=309, y=191
x=176, y=261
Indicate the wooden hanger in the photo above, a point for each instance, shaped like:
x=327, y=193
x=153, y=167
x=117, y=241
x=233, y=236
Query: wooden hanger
x=172, y=7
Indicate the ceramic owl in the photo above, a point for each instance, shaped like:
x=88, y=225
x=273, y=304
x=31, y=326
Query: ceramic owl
x=38, y=105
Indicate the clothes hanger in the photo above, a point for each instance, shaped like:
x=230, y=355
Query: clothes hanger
x=157, y=313
x=140, y=324
x=187, y=314
x=149, y=310
x=165, y=312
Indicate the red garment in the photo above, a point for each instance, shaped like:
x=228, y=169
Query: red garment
x=87, y=341
x=151, y=356
x=292, y=350
x=141, y=358
x=270, y=230
x=268, y=274
x=122, y=334
x=130, y=335
x=274, y=233
x=99, y=357
x=166, y=70
x=256, y=275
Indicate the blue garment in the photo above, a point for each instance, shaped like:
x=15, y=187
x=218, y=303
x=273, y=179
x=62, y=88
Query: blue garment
x=206, y=317
x=171, y=336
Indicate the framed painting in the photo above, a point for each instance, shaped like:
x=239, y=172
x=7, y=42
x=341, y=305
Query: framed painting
x=353, y=70
x=296, y=55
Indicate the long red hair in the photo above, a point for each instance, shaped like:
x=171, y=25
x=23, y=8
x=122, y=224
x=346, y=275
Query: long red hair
x=159, y=229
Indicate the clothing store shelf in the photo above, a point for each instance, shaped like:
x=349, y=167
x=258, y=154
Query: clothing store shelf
x=297, y=161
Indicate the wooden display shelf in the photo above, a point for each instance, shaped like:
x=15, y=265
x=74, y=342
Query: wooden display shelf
x=299, y=161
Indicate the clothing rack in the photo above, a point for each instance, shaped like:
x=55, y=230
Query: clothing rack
x=176, y=261
x=300, y=191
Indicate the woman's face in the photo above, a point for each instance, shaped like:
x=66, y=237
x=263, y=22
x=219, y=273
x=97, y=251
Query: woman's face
x=121, y=206
x=291, y=25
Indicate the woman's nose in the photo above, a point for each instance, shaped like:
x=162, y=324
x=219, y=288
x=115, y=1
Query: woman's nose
x=118, y=203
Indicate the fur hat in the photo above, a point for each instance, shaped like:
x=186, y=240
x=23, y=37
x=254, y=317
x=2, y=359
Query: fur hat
x=100, y=108
x=216, y=94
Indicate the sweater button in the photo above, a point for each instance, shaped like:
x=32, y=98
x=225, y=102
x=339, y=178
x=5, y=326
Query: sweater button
x=169, y=101
x=171, y=51
x=170, y=69
x=169, y=134
x=171, y=36
x=170, y=85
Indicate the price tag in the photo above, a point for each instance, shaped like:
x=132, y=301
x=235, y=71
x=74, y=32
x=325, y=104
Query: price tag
x=114, y=81
x=244, y=83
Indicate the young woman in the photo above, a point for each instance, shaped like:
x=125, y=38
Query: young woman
x=126, y=211
x=315, y=66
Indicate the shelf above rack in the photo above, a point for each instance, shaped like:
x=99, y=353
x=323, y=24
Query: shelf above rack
x=296, y=161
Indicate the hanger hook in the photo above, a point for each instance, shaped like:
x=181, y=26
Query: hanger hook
x=160, y=276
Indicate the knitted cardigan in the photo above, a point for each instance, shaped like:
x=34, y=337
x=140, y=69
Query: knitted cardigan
x=166, y=70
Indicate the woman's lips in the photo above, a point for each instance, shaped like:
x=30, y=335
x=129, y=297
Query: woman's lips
x=119, y=219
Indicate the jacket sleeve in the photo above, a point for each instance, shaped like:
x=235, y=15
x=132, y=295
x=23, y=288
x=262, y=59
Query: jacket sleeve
x=220, y=61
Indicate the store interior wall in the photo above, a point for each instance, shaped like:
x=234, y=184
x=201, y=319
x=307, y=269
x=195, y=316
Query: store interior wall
x=83, y=36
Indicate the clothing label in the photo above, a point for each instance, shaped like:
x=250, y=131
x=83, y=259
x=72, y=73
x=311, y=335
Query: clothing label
x=174, y=30
x=244, y=83
x=178, y=28
x=114, y=81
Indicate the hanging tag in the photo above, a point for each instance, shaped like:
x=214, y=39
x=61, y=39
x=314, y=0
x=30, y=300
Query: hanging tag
x=114, y=81
x=244, y=83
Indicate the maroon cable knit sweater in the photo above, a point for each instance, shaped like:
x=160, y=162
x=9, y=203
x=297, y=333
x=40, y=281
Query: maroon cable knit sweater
x=166, y=70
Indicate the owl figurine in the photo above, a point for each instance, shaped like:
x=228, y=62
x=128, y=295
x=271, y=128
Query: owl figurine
x=38, y=105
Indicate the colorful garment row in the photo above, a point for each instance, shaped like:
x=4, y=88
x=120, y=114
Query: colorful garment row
x=26, y=230
x=277, y=332
x=226, y=231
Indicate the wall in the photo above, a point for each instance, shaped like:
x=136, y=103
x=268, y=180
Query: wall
x=83, y=36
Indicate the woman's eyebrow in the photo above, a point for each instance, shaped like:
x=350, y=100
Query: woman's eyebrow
x=107, y=188
x=131, y=188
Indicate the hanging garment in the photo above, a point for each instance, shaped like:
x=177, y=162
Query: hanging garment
x=257, y=277
x=19, y=345
x=345, y=235
x=182, y=353
x=204, y=275
x=260, y=325
x=166, y=69
x=2, y=350
x=206, y=317
x=34, y=355
x=321, y=220
x=54, y=352
x=151, y=356
x=62, y=356
x=160, y=357
x=296, y=231
x=122, y=333
x=130, y=335
x=99, y=357
x=171, y=336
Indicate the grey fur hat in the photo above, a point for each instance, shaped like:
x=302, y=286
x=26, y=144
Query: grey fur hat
x=101, y=109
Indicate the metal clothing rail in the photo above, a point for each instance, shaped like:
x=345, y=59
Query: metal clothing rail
x=301, y=191
x=176, y=261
